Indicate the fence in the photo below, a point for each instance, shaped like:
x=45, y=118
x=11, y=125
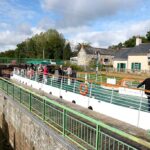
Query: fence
x=86, y=132
x=6, y=60
x=95, y=89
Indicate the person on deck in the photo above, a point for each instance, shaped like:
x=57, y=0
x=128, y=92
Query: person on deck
x=60, y=73
x=146, y=82
x=40, y=72
x=45, y=74
x=69, y=71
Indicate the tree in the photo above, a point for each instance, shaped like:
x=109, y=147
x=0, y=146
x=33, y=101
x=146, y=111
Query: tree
x=67, y=52
x=130, y=42
x=148, y=35
x=9, y=53
x=51, y=42
x=55, y=44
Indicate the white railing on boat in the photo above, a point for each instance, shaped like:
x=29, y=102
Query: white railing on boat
x=96, y=97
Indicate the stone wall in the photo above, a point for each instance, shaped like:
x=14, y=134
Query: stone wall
x=84, y=58
x=25, y=131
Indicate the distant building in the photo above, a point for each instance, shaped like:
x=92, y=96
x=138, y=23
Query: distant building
x=87, y=53
x=134, y=59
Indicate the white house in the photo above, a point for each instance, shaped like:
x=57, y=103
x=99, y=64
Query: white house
x=134, y=59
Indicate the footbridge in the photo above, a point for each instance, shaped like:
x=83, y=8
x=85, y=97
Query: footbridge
x=33, y=121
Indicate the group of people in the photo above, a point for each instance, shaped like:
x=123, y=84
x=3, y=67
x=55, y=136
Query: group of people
x=65, y=71
x=40, y=72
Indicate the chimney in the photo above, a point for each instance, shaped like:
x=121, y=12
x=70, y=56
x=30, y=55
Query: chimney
x=138, y=40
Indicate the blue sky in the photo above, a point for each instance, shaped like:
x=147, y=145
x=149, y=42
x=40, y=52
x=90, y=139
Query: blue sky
x=100, y=22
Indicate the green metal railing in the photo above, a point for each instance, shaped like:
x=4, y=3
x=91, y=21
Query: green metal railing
x=7, y=60
x=86, y=132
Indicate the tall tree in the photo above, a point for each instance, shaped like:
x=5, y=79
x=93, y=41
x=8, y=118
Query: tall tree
x=67, y=52
x=148, y=35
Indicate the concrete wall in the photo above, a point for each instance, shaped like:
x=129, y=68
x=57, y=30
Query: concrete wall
x=27, y=132
x=138, y=59
x=109, y=57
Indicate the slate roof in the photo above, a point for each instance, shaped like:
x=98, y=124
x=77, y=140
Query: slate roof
x=141, y=49
x=102, y=51
x=122, y=54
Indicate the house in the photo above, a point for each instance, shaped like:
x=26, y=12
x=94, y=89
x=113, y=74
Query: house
x=87, y=53
x=134, y=59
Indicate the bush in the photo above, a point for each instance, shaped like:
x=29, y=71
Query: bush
x=73, y=66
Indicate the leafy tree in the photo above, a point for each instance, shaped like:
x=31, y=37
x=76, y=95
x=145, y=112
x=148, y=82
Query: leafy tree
x=51, y=42
x=130, y=42
x=21, y=50
x=67, y=52
x=9, y=53
x=148, y=35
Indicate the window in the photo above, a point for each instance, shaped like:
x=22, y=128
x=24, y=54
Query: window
x=136, y=66
x=106, y=60
x=121, y=66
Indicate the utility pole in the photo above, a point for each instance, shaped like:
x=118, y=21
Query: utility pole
x=96, y=65
x=43, y=54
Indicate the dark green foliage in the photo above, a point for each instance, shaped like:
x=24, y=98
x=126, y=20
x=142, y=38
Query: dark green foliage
x=9, y=53
x=148, y=35
x=73, y=66
x=130, y=42
x=67, y=52
x=92, y=63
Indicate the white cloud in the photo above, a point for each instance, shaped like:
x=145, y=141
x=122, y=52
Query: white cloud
x=119, y=33
x=74, y=18
x=79, y=12
x=9, y=39
x=37, y=30
x=46, y=23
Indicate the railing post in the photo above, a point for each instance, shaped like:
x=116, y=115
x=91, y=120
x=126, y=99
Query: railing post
x=91, y=90
x=13, y=92
x=74, y=87
x=44, y=109
x=64, y=121
x=112, y=94
x=2, y=85
x=140, y=109
x=30, y=101
x=7, y=88
x=98, y=137
x=20, y=94
x=52, y=80
x=60, y=81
